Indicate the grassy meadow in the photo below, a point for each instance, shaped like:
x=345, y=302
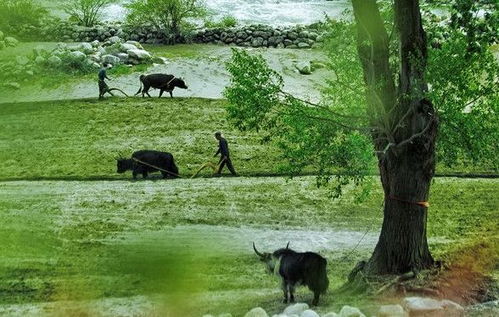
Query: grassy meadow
x=74, y=231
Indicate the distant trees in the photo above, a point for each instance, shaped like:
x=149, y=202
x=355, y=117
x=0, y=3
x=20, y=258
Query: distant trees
x=86, y=12
x=172, y=16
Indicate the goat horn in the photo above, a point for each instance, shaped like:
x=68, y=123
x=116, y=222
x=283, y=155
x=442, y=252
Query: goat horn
x=287, y=246
x=256, y=251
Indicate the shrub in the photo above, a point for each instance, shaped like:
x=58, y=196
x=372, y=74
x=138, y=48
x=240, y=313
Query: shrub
x=86, y=12
x=171, y=16
x=227, y=21
x=14, y=14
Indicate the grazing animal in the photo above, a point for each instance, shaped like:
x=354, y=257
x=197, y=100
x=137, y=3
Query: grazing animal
x=151, y=160
x=297, y=268
x=163, y=82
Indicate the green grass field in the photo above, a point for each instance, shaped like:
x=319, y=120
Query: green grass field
x=80, y=139
x=74, y=230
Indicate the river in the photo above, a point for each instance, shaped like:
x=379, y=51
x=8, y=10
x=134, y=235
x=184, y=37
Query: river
x=270, y=12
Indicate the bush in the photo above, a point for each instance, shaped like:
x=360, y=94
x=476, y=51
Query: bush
x=227, y=21
x=15, y=14
x=86, y=12
x=171, y=16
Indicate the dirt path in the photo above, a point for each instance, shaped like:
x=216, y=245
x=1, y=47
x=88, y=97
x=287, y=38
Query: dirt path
x=203, y=69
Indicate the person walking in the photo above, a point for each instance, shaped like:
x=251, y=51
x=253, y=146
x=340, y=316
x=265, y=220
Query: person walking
x=223, y=150
x=103, y=87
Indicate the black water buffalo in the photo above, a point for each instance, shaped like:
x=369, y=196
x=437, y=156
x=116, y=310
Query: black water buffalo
x=297, y=268
x=147, y=161
x=163, y=82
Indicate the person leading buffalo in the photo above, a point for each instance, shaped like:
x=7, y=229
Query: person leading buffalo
x=103, y=87
x=223, y=150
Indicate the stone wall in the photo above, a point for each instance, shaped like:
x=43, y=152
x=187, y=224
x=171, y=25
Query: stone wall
x=246, y=36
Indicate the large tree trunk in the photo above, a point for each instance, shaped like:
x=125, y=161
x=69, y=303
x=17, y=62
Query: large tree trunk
x=406, y=128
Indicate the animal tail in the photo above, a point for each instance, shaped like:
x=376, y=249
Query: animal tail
x=323, y=282
x=174, y=168
x=141, y=78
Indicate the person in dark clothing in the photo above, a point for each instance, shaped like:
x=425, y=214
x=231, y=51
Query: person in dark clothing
x=223, y=150
x=103, y=87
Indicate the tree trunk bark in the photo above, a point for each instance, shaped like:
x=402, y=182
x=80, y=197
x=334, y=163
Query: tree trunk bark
x=405, y=136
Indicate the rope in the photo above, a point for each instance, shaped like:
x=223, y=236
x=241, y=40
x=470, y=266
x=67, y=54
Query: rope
x=424, y=204
x=111, y=89
x=203, y=166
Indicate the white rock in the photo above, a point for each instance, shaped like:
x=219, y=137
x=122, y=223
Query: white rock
x=257, y=312
x=86, y=48
x=452, y=309
x=115, y=39
x=122, y=56
x=423, y=306
x=349, y=311
x=135, y=43
x=159, y=60
x=296, y=309
x=22, y=60
x=54, y=60
x=391, y=311
x=331, y=314
x=40, y=59
x=309, y=313
x=95, y=43
x=139, y=54
x=77, y=56
x=305, y=68
x=110, y=59
x=125, y=47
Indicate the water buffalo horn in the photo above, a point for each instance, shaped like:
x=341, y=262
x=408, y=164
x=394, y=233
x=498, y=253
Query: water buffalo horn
x=256, y=251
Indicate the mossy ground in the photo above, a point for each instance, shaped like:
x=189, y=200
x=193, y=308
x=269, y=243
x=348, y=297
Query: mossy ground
x=73, y=229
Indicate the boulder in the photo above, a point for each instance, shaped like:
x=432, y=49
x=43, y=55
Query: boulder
x=10, y=41
x=40, y=60
x=110, y=59
x=115, y=39
x=452, y=309
x=77, y=56
x=139, y=54
x=122, y=56
x=135, y=43
x=159, y=60
x=305, y=68
x=349, y=311
x=488, y=309
x=296, y=309
x=86, y=48
x=422, y=306
x=22, y=60
x=309, y=313
x=331, y=314
x=54, y=60
x=391, y=311
x=303, y=45
x=125, y=47
x=257, y=312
